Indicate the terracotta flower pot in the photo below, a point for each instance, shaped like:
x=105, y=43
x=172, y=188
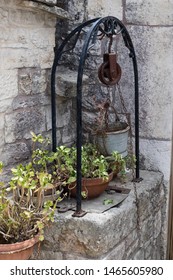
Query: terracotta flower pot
x=93, y=187
x=19, y=250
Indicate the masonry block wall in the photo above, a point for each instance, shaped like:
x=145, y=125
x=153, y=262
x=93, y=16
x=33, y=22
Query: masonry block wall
x=27, y=41
x=150, y=27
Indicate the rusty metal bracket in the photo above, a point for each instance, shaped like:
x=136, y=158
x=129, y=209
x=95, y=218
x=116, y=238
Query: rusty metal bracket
x=79, y=214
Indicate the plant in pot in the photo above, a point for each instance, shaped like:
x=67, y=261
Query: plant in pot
x=22, y=220
x=48, y=168
x=96, y=172
x=121, y=165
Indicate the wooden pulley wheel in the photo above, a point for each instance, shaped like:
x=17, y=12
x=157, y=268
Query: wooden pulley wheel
x=109, y=71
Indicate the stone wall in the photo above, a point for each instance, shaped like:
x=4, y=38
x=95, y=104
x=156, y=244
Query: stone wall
x=150, y=28
x=150, y=24
x=27, y=41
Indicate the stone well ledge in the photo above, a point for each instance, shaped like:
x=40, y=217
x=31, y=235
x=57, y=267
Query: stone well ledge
x=113, y=234
x=47, y=6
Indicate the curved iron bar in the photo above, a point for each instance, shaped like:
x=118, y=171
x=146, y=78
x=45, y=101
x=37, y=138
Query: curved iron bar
x=110, y=25
x=58, y=53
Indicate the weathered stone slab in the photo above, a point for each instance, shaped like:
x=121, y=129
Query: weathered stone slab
x=38, y=100
x=57, y=11
x=105, y=8
x=8, y=84
x=66, y=82
x=64, y=114
x=155, y=155
x=32, y=81
x=18, y=124
x=4, y=16
x=47, y=2
x=117, y=253
x=19, y=58
x=150, y=12
x=6, y=105
x=21, y=16
x=155, y=59
x=15, y=153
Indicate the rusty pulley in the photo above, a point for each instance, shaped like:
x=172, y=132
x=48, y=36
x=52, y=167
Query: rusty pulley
x=109, y=71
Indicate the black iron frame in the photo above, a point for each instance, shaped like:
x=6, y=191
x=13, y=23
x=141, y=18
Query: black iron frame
x=99, y=26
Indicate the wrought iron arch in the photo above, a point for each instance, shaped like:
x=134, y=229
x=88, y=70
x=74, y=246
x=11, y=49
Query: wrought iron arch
x=106, y=26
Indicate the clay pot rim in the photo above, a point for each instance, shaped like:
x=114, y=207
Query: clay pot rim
x=19, y=246
x=98, y=179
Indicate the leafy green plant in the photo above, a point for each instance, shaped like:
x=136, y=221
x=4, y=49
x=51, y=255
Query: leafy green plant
x=120, y=165
x=64, y=167
x=22, y=217
x=23, y=209
x=93, y=163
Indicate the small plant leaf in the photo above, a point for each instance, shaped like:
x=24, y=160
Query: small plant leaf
x=108, y=201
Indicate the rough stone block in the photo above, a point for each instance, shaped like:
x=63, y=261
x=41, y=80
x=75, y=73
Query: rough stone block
x=105, y=8
x=19, y=124
x=20, y=58
x=25, y=17
x=42, y=38
x=9, y=3
x=27, y=38
x=1, y=121
x=4, y=16
x=150, y=200
x=147, y=229
x=148, y=249
x=73, y=257
x=6, y=105
x=78, y=10
x=38, y=100
x=15, y=153
x=155, y=155
x=48, y=255
x=149, y=12
x=64, y=114
x=131, y=250
x=131, y=238
x=32, y=81
x=154, y=56
x=157, y=224
x=117, y=253
x=69, y=134
x=54, y=10
x=8, y=84
x=66, y=82
x=93, y=236
x=1, y=139
x=139, y=255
